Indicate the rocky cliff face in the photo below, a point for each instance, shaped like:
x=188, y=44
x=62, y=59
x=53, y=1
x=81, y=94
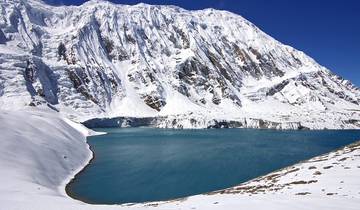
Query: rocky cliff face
x=105, y=60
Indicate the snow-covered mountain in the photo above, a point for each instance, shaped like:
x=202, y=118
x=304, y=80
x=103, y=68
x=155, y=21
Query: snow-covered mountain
x=164, y=64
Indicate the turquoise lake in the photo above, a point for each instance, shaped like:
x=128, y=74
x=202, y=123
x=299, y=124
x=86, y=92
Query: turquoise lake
x=148, y=164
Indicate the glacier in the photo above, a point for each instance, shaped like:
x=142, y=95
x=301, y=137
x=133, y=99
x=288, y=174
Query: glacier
x=184, y=69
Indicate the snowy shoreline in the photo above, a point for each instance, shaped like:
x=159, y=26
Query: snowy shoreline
x=73, y=179
x=36, y=170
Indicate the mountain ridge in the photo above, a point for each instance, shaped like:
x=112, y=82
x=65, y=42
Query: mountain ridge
x=101, y=59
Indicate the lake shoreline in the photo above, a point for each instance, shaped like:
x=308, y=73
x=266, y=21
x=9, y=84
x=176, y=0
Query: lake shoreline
x=68, y=192
x=67, y=152
x=72, y=195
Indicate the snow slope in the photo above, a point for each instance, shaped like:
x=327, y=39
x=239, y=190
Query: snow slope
x=106, y=60
x=40, y=152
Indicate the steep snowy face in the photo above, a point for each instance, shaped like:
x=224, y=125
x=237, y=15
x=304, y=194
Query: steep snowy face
x=102, y=59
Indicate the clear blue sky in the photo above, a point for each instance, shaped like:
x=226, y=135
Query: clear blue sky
x=327, y=30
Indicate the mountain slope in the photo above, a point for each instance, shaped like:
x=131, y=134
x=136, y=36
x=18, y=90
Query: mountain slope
x=184, y=68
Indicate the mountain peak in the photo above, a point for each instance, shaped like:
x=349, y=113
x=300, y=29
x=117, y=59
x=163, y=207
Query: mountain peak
x=166, y=63
x=91, y=2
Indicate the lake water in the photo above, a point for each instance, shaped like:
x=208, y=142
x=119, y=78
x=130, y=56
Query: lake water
x=147, y=164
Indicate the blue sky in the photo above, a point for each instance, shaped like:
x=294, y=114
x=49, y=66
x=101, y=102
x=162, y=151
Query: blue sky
x=327, y=30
